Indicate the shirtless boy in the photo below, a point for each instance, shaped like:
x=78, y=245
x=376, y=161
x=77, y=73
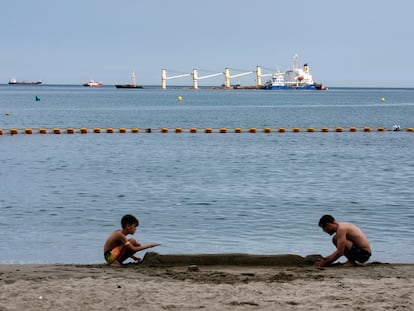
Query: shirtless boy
x=118, y=248
x=349, y=240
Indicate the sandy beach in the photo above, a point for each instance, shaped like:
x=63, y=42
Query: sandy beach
x=208, y=282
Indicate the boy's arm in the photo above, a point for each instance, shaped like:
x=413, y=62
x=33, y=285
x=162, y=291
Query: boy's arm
x=141, y=247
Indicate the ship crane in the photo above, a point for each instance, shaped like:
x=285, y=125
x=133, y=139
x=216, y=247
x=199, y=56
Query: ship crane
x=164, y=78
x=196, y=77
x=228, y=77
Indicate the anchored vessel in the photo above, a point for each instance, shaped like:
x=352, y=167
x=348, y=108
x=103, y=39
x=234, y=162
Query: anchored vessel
x=295, y=78
x=14, y=81
x=132, y=85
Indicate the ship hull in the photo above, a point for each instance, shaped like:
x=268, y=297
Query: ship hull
x=25, y=83
x=128, y=86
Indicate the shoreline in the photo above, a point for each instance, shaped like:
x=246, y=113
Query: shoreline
x=213, y=284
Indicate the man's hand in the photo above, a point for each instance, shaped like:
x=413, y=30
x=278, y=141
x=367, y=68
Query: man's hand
x=321, y=263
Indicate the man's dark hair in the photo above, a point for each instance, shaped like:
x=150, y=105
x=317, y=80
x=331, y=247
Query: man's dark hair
x=129, y=220
x=326, y=219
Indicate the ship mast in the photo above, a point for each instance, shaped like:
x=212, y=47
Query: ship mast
x=295, y=61
x=134, y=82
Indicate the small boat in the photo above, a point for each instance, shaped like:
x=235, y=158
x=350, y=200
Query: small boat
x=15, y=82
x=295, y=78
x=132, y=85
x=93, y=83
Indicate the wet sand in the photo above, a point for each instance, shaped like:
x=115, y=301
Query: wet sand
x=208, y=282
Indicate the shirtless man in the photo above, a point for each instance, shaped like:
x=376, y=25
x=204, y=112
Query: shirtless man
x=349, y=240
x=118, y=248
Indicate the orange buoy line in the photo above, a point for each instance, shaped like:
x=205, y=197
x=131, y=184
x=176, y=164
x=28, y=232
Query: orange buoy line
x=193, y=130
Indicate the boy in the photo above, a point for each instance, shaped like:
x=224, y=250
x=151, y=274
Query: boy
x=349, y=240
x=118, y=248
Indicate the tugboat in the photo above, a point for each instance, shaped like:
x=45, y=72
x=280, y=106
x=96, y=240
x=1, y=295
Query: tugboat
x=132, y=85
x=295, y=78
x=93, y=83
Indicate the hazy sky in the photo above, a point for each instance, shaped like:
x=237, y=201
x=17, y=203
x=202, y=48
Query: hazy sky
x=345, y=43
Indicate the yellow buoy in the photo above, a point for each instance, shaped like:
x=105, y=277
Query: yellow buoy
x=179, y=98
x=383, y=100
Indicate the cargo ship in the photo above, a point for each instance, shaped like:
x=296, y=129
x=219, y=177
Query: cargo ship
x=15, y=82
x=295, y=78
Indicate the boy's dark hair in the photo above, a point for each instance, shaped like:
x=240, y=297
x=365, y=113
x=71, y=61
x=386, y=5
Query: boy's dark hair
x=326, y=219
x=129, y=220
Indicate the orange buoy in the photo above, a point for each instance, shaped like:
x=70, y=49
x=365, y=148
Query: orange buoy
x=1, y=132
x=296, y=130
x=193, y=130
x=353, y=129
x=311, y=130
x=237, y=130
x=410, y=129
x=97, y=130
x=208, y=130
x=28, y=131
x=339, y=130
x=325, y=130
x=223, y=130
x=134, y=130
x=84, y=130
x=13, y=131
x=267, y=130
x=252, y=130
x=122, y=130
x=282, y=130
x=367, y=129
x=42, y=131
x=381, y=129
x=56, y=130
x=110, y=130
x=70, y=130
x=178, y=130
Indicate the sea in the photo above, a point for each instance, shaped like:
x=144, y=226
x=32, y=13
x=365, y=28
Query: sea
x=256, y=193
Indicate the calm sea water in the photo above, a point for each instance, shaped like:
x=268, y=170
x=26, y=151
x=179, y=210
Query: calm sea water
x=61, y=195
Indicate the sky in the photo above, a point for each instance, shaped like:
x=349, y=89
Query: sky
x=346, y=43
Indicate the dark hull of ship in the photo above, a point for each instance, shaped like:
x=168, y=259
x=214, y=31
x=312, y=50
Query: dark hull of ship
x=128, y=86
x=26, y=83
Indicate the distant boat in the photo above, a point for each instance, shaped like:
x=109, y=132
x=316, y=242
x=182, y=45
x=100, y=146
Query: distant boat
x=93, y=83
x=14, y=81
x=132, y=85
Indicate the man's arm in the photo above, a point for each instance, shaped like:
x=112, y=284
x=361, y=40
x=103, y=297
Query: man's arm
x=340, y=249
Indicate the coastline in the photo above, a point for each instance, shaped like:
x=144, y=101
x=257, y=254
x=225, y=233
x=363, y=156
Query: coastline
x=216, y=282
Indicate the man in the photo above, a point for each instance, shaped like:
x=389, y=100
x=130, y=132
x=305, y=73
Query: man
x=349, y=240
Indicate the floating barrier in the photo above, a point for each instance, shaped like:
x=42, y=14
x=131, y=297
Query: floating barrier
x=194, y=130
